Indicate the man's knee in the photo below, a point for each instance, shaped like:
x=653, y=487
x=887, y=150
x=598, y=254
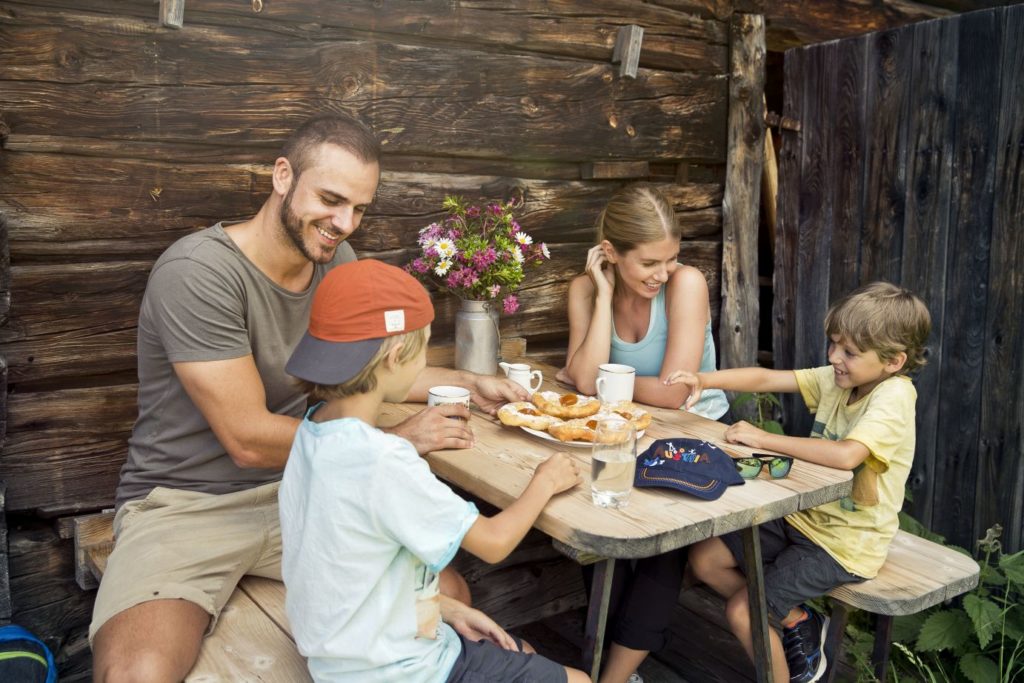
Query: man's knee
x=138, y=667
x=737, y=612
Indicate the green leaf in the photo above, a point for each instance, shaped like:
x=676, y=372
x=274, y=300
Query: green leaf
x=1015, y=622
x=772, y=400
x=979, y=669
x=906, y=629
x=742, y=400
x=912, y=526
x=944, y=630
x=1013, y=567
x=986, y=616
x=990, y=576
x=773, y=427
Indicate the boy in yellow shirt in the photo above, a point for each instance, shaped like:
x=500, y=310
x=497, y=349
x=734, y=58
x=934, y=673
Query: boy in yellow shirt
x=863, y=404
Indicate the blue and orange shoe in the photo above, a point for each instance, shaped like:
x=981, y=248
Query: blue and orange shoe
x=804, y=644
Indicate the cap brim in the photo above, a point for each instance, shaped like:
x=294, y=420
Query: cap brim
x=327, y=362
x=695, y=485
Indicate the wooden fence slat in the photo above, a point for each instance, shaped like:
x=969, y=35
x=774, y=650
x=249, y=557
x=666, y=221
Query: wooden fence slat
x=1000, y=465
x=967, y=268
x=849, y=137
x=885, y=154
x=926, y=228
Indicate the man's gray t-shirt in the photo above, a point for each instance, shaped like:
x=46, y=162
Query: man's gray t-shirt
x=205, y=301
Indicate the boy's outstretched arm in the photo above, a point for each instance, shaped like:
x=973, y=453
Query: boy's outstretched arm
x=844, y=455
x=493, y=538
x=735, y=379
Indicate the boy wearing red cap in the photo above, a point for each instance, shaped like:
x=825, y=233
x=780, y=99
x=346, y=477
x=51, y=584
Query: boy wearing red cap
x=366, y=527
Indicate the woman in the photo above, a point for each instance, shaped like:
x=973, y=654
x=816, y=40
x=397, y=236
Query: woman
x=638, y=306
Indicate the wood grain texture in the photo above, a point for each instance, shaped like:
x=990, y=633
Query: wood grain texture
x=1000, y=465
x=656, y=520
x=967, y=268
x=926, y=230
x=742, y=200
x=917, y=574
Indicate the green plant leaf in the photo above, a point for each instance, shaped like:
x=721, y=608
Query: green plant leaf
x=1015, y=621
x=990, y=576
x=1013, y=567
x=906, y=629
x=986, y=616
x=742, y=399
x=944, y=630
x=912, y=526
x=771, y=399
x=979, y=669
x=773, y=427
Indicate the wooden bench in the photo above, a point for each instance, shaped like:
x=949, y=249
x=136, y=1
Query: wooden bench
x=917, y=575
x=252, y=639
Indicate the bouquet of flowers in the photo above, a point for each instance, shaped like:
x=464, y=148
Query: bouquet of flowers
x=477, y=252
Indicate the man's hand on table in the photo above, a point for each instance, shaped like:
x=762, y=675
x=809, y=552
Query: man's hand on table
x=490, y=393
x=474, y=625
x=746, y=434
x=432, y=429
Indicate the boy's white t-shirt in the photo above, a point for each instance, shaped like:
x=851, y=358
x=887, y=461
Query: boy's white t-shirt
x=366, y=529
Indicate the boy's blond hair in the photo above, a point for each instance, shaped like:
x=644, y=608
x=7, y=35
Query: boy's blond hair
x=365, y=380
x=883, y=318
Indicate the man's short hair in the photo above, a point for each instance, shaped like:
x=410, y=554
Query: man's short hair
x=883, y=318
x=335, y=129
x=365, y=380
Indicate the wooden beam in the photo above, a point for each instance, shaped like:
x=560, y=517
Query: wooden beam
x=172, y=13
x=738, y=327
x=628, y=43
x=614, y=169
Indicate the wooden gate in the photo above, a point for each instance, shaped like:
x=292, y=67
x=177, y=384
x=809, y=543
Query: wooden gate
x=909, y=167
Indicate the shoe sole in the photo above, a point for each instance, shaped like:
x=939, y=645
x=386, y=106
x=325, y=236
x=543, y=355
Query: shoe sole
x=822, y=661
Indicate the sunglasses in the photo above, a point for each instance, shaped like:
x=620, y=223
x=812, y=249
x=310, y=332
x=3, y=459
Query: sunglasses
x=778, y=465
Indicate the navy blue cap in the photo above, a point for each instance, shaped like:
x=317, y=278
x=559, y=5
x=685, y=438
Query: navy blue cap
x=692, y=466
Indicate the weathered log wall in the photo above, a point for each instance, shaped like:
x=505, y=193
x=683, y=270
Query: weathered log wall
x=120, y=136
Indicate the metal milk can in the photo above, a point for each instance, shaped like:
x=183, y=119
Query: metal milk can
x=477, y=337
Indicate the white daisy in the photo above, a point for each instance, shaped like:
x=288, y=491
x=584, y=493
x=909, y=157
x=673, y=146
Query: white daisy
x=517, y=255
x=442, y=267
x=544, y=250
x=523, y=238
x=445, y=247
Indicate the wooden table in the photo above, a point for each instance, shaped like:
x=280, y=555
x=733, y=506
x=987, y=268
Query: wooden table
x=501, y=465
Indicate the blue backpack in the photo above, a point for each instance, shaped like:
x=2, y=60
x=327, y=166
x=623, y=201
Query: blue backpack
x=24, y=658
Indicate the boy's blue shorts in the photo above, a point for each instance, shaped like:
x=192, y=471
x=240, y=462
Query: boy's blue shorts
x=795, y=569
x=484, y=662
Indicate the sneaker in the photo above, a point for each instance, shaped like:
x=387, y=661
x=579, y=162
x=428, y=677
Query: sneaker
x=804, y=645
x=634, y=678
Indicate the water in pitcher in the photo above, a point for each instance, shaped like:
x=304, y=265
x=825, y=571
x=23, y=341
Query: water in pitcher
x=613, y=463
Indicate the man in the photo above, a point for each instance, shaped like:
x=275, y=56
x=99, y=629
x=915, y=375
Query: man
x=197, y=500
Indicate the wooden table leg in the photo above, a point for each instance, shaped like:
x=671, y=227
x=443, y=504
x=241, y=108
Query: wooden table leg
x=597, y=616
x=758, y=608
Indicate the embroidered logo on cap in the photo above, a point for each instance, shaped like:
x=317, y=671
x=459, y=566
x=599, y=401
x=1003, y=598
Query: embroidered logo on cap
x=394, y=321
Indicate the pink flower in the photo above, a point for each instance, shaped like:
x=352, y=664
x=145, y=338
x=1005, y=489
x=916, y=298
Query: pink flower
x=420, y=266
x=494, y=290
x=495, y=209
x=511, y=303
x=473, y=211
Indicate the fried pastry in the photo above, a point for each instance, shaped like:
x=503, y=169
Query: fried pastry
x=525, y=414
x=565, y=406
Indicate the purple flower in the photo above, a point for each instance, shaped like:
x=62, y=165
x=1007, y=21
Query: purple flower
x=495, y=209
x=473, y=211
x=494, y=290
x=420, y=266
x=511, y=303
x=454, y=279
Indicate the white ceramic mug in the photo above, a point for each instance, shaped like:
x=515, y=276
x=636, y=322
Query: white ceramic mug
x=442, y=395
x=615, y=382
x=521, y=374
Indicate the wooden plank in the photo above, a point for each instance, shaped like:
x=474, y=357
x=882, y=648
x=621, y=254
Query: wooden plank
x=614, y=169
x=849, y=137
x=917, y=574
x=5, y=578
x=248, y=644
x=740, y=207
x=888, y=113
x=784, y=271
x=1000, y=467
x=172, y=13
x=815, y=219
x=94, y=539
x=926, y=229
x=963, y=349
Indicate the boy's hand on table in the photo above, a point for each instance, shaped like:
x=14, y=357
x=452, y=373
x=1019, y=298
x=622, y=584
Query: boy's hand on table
x=472, y=624
x=746, y=434
x=432, y=429
x=491, y=393
x=690, y=379
x=560, y=470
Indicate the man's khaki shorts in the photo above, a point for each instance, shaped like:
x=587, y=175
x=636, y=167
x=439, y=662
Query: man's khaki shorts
x=191, y=546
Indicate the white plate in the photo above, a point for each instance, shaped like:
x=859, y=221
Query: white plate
x=574, y=444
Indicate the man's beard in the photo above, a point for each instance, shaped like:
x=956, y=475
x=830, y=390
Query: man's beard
x=292, y=228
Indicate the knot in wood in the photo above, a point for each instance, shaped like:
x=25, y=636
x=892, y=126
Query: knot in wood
x=613, y=121
x=631, y=131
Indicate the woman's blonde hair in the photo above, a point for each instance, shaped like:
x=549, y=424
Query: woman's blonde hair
x=365, y=380
x=635, y=215
x=883, y=318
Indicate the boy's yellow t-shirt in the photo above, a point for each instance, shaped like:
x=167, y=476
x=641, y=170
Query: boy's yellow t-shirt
x=856, y=530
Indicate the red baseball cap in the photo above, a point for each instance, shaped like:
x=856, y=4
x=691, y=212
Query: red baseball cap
x=357, y=306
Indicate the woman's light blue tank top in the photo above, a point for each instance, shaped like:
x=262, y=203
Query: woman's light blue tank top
x=648, y=354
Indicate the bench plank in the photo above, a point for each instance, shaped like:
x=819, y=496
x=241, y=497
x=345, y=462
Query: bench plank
x=917, y=574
